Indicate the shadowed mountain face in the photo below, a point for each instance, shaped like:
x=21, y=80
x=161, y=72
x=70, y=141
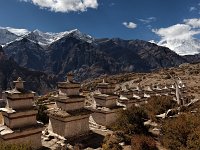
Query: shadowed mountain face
x=35, y=80
x=27, y=54
x=140, y=55
x=91, y=59
x=193, y=58
x=6, y=36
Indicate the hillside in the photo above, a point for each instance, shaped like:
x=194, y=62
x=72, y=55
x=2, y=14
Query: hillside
x=35, y=80
x=188, y=73
x=89, y=58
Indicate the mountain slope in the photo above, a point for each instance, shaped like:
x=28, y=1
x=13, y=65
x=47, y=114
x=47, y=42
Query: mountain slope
x=18, y=32
x=6, y=36
x=26, y=53
x=70, y=53
x=193, y=58
x=142, y=55
x=35, y=80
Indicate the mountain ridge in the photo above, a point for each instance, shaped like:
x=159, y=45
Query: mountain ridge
x=99, y=57
x=42, y=38
x=89, y=57
x=181, y=47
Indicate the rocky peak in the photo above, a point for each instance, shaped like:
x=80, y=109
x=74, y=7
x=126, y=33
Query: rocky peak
x=6, y=36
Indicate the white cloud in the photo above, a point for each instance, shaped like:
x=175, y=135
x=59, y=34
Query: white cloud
x=149, y=26
x=148, y=20
x=178, y=31
x=193, y=8
x=65, y=5
x=181, y=37
x=195, y=23
x=130, y=25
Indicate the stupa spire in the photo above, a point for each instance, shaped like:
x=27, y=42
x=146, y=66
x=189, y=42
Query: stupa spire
x=19, y=83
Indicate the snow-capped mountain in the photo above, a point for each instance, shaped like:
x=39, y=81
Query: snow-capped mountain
x=46, y=38
x=41, y=37
x=18, y=32
x=182, y=46
x=79, y=35
x=8, y=35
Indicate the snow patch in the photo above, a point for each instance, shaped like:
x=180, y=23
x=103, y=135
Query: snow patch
x=18, y=32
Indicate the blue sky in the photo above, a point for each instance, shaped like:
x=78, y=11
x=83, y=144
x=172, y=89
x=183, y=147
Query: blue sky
x=127, y=19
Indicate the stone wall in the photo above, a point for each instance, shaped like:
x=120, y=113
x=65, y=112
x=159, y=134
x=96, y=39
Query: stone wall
x=73, y=91
x=20, y=119
x=34, y=140
x=105, y=101
x=20, y=122
x=68, y=105
x=106, y=90
x=20, y=104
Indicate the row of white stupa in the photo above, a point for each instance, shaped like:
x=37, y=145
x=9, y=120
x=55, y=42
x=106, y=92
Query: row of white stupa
x=130, y=96
x=154, y=87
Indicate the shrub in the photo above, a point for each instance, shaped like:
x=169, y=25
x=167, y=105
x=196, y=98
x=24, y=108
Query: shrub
x=111, y=142
x=181, y=132
x=193, y=140
x=122, y=137
x=42, y=114
x=159, y=104
x=142, y=142
x=4, y=146
x=131, y=121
